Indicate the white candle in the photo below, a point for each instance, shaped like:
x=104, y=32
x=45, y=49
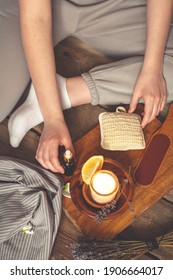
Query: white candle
x=104, y=186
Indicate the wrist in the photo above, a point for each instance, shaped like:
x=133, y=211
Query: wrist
x=54, y=120
x=152, y=67
x=153, y=62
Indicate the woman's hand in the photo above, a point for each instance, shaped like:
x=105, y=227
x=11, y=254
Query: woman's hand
x=53, y=135
x=150, y=87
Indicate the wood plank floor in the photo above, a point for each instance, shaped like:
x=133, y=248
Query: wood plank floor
x=154, y=222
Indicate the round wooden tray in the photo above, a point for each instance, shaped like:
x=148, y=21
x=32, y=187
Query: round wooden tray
x=78, y=187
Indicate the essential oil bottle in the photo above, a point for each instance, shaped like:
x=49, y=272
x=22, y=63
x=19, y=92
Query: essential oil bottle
x=68, y=163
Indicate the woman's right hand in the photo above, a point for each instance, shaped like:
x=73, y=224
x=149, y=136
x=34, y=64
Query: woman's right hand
x=151, y=87
x=53, y=135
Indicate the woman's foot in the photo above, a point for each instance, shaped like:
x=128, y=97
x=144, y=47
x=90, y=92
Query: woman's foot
x=24, y=118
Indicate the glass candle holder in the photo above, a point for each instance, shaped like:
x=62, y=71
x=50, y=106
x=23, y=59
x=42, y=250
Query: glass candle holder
x=104, y=186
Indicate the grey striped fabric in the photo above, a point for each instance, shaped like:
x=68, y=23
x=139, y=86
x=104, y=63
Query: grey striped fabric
x=30, y=210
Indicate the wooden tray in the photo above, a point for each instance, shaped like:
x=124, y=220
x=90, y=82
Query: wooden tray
x=143, y=197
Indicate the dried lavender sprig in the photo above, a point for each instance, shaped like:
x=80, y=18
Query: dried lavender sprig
x=109, y=249
x=104, y=211
x=113, y=252
x=114, y=249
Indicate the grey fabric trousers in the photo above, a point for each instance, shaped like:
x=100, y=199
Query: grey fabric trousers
x=30, y=210
x=115, y=27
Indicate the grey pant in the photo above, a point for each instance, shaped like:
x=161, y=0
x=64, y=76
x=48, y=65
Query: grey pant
x=115, y=27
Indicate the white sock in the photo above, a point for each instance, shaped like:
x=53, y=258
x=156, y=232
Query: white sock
x=64, y=97
x=29, y=115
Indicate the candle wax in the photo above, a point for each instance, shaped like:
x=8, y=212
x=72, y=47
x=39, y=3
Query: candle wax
x=104, y=183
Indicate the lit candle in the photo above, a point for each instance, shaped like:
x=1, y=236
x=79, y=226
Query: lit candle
x=104, y=186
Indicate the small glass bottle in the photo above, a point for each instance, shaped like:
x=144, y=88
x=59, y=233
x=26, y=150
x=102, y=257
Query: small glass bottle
x=68, y=163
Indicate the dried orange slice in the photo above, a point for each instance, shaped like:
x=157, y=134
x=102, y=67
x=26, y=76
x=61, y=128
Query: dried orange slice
x=92, y=165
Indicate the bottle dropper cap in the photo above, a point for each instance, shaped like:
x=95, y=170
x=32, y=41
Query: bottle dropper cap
x=68, y=154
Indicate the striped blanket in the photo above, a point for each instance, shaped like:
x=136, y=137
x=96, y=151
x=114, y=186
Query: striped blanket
x=30, y=210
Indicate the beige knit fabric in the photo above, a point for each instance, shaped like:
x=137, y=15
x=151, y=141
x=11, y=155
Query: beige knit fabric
x=121, y=131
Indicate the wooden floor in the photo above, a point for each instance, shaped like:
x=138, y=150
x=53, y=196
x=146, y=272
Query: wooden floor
x=154, y=222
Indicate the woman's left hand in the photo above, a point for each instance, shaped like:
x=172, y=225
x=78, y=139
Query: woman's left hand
x=151, y=87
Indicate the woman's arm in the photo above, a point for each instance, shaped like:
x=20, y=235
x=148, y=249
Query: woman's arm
x=150, y=85
x=36, y=30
